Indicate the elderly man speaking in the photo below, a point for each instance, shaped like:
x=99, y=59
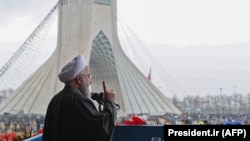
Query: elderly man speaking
x=71, y=114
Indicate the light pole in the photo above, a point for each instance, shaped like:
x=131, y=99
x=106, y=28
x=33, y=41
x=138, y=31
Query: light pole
x=220, y=103
x=248, y=96
x=235, y=108
x=234, y=89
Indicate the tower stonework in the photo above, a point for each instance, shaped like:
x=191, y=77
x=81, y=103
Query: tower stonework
x=89, y=28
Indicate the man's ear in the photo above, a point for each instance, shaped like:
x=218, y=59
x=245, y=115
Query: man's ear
x=79, y=79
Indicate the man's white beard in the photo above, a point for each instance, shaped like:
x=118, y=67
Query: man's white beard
x=88, y=92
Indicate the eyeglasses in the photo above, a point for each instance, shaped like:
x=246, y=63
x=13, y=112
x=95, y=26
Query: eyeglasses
x=89, y=76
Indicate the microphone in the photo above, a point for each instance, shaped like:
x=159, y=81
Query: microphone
x=99, y=97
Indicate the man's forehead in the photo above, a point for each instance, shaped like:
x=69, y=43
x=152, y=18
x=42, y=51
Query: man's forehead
x=87, y=69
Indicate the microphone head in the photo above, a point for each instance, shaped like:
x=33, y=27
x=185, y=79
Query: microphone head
x=97, y=96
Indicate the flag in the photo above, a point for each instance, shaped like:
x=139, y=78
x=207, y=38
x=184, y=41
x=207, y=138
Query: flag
x=149, y=75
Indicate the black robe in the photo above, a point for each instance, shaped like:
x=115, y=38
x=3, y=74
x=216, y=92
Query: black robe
x=71, y=116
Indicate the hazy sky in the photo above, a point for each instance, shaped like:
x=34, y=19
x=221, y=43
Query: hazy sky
x=179, y=23
x=189, y=22
x=175, y=22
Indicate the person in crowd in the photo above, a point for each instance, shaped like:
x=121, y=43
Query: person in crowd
x=72, y=115
x=245, y=122
x=203, y=122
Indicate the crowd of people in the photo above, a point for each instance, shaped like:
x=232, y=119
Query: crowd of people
x=35, y=122
x=21, y=122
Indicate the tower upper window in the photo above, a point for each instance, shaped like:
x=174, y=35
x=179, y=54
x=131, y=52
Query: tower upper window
x=64, y=2
x=103, y=2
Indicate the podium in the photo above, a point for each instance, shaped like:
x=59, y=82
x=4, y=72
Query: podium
x=130, y=133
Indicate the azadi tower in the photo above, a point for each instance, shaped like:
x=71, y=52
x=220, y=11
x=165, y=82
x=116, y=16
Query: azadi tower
x=89, y=28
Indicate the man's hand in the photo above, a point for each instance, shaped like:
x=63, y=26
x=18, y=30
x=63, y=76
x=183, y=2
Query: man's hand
x=108, y=94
